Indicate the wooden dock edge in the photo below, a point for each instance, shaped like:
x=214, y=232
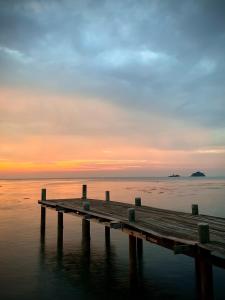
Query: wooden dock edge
x=178, y=245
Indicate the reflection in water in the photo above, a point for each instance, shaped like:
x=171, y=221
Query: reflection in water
x=87, y=264
x=85, y=252
x=86, y=269
x=49, y=273
x=108, y=270
x=140, y=260
x=42, y=235
x=136, y=266
x=42, y=247
x=133, y=264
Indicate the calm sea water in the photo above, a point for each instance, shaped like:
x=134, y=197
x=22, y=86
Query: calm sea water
x=31, y=269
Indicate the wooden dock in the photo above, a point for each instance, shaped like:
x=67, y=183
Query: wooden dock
x=192, y=234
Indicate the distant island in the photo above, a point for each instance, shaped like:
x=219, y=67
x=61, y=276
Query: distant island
x=197, y=174
x=174, y=175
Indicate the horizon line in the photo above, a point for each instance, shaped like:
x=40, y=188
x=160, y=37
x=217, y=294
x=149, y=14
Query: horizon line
x=112, y=177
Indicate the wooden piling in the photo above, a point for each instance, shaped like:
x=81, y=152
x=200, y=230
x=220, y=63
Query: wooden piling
x=86, y=228
x=86, y=244
x=203, y=232
x=60, y=220
x=132, y=247
x=43, y=212
x=107, y=196
x=131, y=214
x=194, y=208
x=60, y=233
x=137, y=201
x=86, y=236
x=108, y=252
x=204, y=274
x=107, y=236
x=139, y=248
x=43, y=195
x=84, y=191
x=43, y=219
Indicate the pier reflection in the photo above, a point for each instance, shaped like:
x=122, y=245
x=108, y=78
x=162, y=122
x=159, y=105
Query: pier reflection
x=133, y=263
x=42, y=247
x=96, y=271
x=85, y=255
x=136, y=266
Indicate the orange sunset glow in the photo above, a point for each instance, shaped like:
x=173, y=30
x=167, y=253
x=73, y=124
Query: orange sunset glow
x=66, y=135
x=87, y=104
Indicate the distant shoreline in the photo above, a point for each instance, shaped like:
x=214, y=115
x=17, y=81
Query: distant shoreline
x=116, y=177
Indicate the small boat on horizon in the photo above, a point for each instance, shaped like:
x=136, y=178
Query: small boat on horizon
x=174, y=175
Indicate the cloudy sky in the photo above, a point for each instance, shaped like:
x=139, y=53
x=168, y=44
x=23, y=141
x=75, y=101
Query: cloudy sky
x=112, y=88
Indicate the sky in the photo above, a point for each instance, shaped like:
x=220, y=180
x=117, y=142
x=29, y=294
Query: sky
x=112, y=88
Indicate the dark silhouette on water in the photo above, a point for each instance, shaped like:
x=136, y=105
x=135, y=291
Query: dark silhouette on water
x=174, y=175
x=198, y=174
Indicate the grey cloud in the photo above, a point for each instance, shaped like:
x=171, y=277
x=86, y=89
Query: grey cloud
x=19, y=29
x=160, y=56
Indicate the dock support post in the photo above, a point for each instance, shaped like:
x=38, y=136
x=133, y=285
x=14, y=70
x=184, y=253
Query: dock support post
x=43, y=212
x=204, y=275
x=132, y=249
x=194, y=209
x=43, y=219
x=131, y=214
x=86, y=231
x=60, y=233
x=43, y=194
x=107, y=236
x=107, y=196
x=84, y=191
x=60, y=221
x=107, y=245
x=203, y=232
x=137, y=201
x=86, y=237
x=139, y=248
